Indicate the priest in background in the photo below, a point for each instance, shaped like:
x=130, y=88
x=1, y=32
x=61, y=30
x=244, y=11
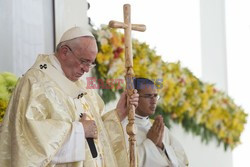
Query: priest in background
x=52, y=119
x=155, y=145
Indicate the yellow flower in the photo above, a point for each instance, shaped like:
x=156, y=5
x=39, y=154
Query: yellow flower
x=106, y=48
x=183, y=94
x=100, y=58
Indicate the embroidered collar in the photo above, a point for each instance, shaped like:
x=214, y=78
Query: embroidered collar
x=54, y=71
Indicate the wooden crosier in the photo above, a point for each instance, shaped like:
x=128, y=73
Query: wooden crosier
x=127, y=26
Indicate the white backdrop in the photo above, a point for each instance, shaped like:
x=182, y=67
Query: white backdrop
x=69, y=14
x=238, y=42
x=26, y=29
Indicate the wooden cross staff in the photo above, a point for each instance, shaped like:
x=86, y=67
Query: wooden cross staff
x=127, y=26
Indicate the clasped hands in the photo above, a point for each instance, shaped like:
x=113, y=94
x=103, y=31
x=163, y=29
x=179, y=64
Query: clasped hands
x=155, y=133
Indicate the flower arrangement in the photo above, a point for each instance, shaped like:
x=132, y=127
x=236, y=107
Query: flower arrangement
x=198, y=106
x=7, y=83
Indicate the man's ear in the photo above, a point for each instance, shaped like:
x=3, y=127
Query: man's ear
x=63, y=52
x=63, y=49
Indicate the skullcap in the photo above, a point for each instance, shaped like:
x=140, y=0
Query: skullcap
x=75, y=32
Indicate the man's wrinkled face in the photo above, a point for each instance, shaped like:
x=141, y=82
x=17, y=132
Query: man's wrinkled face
x=78, y=61
x=148, y=97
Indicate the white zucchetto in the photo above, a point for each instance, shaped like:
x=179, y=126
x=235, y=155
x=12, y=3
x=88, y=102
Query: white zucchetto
x=75, y=32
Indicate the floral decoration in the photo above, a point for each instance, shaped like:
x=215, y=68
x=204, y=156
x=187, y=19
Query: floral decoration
x=198, y=106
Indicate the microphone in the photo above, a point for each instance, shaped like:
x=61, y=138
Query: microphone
x=92, y=147
x=91, y=144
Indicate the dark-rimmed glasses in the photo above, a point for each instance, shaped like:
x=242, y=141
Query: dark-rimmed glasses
x=83, y=62
x=151, y=96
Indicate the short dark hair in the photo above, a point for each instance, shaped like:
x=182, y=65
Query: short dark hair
x=139, y=83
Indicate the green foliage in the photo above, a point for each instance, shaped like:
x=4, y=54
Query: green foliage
x=7, y=84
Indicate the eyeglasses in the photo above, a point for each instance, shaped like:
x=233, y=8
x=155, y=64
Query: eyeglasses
x=83, y=62
x=151, y=96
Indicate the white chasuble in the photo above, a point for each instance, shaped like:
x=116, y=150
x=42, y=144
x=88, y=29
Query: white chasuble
x=42, y=120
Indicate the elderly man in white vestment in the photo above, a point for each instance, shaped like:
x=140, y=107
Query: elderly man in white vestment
x=155, y=145
x=42, y=125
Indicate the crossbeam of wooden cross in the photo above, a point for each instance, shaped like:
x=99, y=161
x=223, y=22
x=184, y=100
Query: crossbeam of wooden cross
x=127, y=26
